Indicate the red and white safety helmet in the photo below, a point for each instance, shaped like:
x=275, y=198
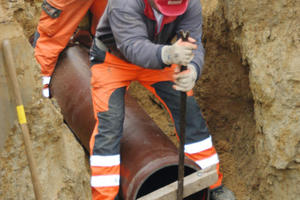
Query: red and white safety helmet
x=171, y=7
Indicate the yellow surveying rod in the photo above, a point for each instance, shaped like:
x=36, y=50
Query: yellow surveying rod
x=22, y=119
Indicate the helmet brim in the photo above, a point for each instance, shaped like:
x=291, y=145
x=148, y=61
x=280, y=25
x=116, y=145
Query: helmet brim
x=172, y=10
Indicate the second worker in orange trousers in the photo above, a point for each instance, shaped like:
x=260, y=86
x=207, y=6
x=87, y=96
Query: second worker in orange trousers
x=58, y=22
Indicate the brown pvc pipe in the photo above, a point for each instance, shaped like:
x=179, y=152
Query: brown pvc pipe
x=149, y=160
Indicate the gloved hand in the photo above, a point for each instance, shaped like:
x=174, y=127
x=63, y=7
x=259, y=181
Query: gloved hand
x=180, y=53
x=46, y=82
x=185, y=81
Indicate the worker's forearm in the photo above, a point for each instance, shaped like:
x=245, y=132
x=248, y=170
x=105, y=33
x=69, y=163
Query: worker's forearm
x=133, y=40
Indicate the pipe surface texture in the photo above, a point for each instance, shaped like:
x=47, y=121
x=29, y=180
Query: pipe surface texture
x=149, y=160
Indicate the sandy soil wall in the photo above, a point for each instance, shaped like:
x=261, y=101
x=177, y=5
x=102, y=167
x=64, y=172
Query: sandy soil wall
x=249, y=95
x=62, y=165
x=265, y=36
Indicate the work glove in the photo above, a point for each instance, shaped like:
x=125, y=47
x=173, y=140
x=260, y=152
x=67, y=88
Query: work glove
x=185, y=80
x=46, y=82
x=180, y=53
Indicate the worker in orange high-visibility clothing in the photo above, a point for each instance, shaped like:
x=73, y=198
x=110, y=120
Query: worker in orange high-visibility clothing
x=58, y=22
x=133, y=43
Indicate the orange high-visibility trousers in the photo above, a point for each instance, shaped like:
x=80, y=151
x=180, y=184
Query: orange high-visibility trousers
x=110, y=80
x=55, y=33
x=97, y=8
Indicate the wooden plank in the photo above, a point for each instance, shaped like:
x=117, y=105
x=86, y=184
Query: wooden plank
x=193, y=183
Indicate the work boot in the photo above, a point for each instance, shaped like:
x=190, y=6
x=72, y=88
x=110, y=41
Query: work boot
x=221, y=193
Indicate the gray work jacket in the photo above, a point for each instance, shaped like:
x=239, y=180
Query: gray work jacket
x=130, y=26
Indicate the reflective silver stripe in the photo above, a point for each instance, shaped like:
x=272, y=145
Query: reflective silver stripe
x=46, y=92
x=104, y=161
x=105, y=180
x=198, y=146
x=46, y=80
x=208, y=161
